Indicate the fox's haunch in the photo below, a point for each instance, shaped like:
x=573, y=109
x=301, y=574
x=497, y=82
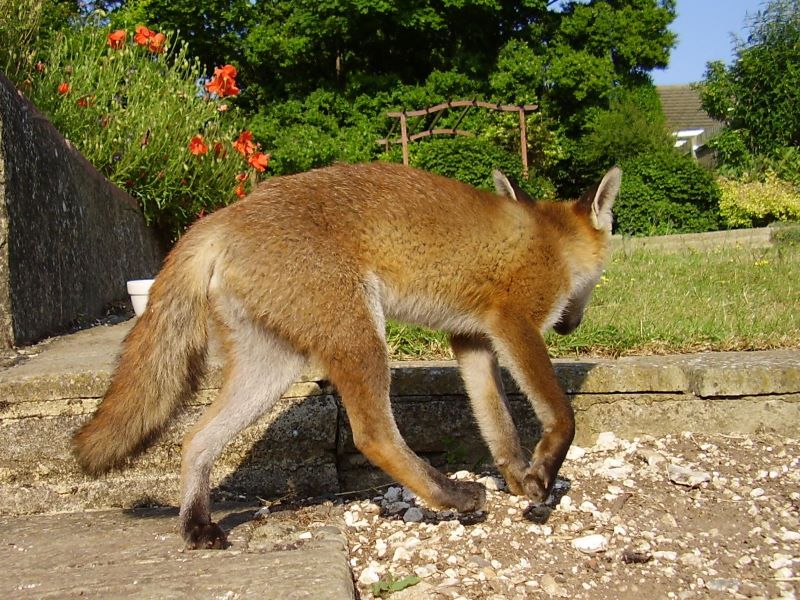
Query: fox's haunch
x=162, y=358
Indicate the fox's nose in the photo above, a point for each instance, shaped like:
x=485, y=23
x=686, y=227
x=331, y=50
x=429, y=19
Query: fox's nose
x=566, y=326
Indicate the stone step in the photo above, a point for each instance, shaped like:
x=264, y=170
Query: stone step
x=304, y=446
x=138, y=554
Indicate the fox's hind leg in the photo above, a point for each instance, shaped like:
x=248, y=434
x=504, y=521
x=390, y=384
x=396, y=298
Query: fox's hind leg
x=481, y=374
x=356, y=357
x=259, y=368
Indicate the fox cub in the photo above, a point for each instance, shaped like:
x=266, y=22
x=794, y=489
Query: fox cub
x=310, y=266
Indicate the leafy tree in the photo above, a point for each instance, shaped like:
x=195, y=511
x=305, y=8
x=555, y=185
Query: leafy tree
x=364, y=57
x=631, y=126
x=757, y=96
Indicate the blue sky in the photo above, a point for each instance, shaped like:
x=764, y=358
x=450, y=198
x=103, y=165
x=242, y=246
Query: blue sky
x=704, y=29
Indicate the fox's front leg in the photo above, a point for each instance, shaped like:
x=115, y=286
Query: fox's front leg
x=522, y=348
x=356, y=358
x=481, y=374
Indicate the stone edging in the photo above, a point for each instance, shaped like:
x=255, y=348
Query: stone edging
x=305, y=446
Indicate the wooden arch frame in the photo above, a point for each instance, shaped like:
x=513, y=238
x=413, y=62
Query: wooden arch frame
x=437, y=111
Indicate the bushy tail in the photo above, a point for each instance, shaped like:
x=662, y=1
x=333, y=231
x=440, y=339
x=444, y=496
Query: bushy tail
x=162, y=358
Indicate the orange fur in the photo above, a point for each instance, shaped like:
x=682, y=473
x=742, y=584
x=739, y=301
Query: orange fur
x=310, y=266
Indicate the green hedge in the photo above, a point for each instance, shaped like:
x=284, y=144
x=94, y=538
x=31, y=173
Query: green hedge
x=666, y=193
x=472, y=160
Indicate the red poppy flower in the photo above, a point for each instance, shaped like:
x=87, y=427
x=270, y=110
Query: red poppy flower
x=240, y=190
x=223, y=83
x=157, y=43
x=116, y=39
x=143, y=35
x=197, y=145
x=244, y=144
x=241, y=176
x=39, y=66
x=84, y=101
x=63, y=88
x=259, y=161
x=219, y=150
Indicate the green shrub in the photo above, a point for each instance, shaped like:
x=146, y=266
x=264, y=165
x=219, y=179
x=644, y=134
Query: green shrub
x=322, y=128
x=758, y=203
x=666, y=193
x=471, y=160
x=133, y=110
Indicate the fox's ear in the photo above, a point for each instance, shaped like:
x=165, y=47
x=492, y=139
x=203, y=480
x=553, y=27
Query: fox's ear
x=502, y=185
x=508, y=188
x=599, y=200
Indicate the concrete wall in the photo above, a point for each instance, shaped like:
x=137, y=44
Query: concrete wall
x=69, y=239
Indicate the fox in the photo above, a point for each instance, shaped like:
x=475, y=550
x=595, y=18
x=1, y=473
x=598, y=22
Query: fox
x=309, y=267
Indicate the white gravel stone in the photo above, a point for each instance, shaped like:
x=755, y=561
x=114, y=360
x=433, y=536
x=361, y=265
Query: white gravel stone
x=606, y=441
x=780, y=561
x=591, y=544
x=401, y=555
x=687, y=477
x=429, y=554
x=576, y=453
x=491, y=483
x=368, y=576
x=479, y=532
x=614, y=468
x=551, y=587
x=789, y=536
x=690, y=559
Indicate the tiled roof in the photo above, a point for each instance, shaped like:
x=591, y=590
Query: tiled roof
x=682, y=109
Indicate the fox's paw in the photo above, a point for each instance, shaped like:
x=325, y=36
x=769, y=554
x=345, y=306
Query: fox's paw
x=467, y=496
x=514, y=476
x=205, y=537
x=538, y=482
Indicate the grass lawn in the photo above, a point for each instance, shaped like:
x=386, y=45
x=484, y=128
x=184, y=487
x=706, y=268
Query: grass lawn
x=651, y=302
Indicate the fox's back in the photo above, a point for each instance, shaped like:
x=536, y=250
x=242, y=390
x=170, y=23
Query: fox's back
x=419, y=237
x=380, y=216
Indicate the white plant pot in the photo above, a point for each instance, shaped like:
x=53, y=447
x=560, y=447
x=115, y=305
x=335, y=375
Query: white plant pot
x=139, y=290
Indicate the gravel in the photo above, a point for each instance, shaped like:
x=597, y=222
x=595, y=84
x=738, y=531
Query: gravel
x=682, y=516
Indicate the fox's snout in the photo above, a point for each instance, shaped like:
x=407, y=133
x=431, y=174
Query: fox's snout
x=567, y=324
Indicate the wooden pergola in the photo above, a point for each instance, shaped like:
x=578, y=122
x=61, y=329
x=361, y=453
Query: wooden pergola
x=437, y=110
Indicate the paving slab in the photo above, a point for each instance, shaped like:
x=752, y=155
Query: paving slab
x=138, y=554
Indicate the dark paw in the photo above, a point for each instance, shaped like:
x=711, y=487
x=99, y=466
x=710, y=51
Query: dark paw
x=206, y=537
x=537, y=483
x=468, y=496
